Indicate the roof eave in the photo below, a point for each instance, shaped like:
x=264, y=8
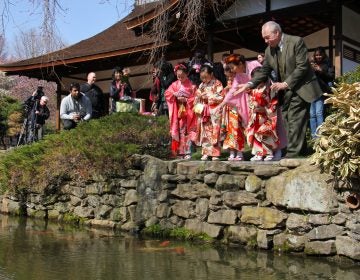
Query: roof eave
x=140, y=20
x=11, y=69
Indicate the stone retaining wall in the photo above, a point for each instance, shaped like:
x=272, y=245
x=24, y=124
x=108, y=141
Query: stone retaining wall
x=287, y=206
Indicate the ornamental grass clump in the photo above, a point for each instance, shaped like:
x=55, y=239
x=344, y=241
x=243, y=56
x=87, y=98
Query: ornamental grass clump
x=337, y=150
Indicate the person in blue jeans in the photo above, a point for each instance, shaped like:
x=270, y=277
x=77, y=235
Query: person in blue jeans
x=316, y=115
x=321, y=66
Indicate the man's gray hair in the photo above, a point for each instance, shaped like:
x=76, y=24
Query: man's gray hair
x=45, y=98
x=272, y=26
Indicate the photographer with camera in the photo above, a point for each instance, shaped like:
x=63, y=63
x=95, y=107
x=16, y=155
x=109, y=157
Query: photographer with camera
x=75, y=107
x=36, y=113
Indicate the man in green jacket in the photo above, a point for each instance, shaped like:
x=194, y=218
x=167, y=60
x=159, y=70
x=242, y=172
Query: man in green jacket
x=296, y=83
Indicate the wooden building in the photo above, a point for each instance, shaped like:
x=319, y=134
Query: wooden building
x=329, y=23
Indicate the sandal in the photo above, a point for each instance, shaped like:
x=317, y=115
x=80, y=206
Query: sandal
x=204, y=157
x=231, y=157
x=269, y=158
x=239, y=157
x=256, y=158
x=187, y=157
x=215, y=159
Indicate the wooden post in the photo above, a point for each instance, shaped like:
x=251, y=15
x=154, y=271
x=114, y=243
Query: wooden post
x=338, y=39
x=331, y=45
x=58, y=103
x=210, y=44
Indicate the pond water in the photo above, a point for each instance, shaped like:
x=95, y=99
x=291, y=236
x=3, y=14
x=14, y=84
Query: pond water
x=33, y=249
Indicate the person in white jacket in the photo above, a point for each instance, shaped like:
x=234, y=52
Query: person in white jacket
x=75, y=107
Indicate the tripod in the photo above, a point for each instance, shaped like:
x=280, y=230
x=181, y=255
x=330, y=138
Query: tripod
x=28, y=130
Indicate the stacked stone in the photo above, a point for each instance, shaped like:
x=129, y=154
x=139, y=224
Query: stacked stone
x=285, y=206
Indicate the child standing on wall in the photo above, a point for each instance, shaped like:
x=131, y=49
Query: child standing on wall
x=261, y=130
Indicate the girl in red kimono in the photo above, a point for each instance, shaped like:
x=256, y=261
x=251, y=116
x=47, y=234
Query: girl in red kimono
x=180, y=99
x=261, y=131
x=231, y=122
x=208, y=96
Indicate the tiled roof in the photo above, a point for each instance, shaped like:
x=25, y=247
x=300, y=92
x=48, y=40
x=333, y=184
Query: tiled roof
x=116, y=40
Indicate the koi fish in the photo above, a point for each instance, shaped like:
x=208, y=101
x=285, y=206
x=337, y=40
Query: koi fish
x=164, y=243
x=164, y=248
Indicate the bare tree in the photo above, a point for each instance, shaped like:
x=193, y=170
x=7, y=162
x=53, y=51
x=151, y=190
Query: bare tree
x=2, y=49
x=50, y=38
x=121, y=6
x=50, y=9
x=190, y=19
x=30, y=44
x=27, y=44
x=159, y=32
x=49, y=35
x=190, y=16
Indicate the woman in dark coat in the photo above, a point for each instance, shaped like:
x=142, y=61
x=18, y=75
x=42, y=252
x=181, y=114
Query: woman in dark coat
x=163, y=77
x=321, y=66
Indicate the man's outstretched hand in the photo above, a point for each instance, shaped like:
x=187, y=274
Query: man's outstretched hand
x=279, y=86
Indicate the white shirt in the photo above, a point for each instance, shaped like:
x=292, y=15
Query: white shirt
x=69, y=106
x=281, y=43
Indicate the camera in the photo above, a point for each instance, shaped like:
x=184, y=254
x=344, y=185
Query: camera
x=34, y=100
x=39, y=92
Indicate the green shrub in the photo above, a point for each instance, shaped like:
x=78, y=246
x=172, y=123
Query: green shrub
x=8, y=106
x=98, y=147
x=350, y=77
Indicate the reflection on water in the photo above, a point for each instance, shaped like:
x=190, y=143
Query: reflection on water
x=32, y=249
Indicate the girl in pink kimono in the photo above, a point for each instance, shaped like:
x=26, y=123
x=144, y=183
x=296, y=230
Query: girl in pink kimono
x=236, y=113
x=180, y=99
x=208, y=97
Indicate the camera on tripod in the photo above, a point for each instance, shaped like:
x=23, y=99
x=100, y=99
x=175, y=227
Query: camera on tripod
x=31, y=102
x=39, y=93
x=28, y=130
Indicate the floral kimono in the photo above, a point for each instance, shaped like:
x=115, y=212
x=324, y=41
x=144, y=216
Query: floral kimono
x=261, y=131
x=181, y=116
x=209, y=95
x=235, y=115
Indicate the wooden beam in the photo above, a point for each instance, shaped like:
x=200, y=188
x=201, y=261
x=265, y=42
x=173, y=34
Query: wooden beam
x=331, y=45
x=338, y=39
x=227, y=42
x=210, y=45
x=76, y=78
x=144, y=18
x=58, y=103
x=241, y=23
x=268, y=5
x=351, y=41
x=229, y=29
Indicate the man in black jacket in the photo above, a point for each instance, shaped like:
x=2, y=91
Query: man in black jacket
x=37, y=115
x=96, y=96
